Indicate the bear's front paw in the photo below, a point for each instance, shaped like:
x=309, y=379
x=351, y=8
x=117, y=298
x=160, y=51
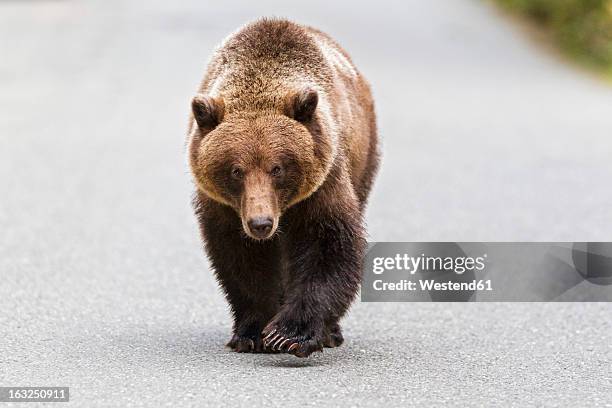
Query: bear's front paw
x=246, y=344
x=280, y=338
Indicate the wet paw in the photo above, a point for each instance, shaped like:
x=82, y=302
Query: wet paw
x=278, y=339
x=246, y=344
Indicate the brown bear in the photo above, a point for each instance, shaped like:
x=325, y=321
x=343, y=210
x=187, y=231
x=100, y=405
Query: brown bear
x=283, y=150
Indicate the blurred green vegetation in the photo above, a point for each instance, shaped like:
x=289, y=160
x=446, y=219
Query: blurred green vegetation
x=582, y=28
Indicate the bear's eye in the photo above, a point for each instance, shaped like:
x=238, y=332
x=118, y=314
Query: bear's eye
x=237, y=173
x=276, y=171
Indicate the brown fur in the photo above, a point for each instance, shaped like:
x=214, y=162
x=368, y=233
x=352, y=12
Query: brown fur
x=283, y=130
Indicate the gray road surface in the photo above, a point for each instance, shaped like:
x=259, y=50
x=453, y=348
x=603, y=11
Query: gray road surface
x=104, y=288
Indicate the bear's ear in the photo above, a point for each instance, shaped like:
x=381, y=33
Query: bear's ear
x=301, y=105
x=207, y=111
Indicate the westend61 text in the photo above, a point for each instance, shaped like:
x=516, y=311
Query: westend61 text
x=430, y=284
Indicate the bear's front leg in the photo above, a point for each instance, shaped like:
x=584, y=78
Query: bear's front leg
x=248, y=272
x=250, y=315
x=324, y=256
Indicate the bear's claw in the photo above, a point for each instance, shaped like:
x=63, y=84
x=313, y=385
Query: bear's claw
x=280, y=340
x=280, y=347
x=297, y=345
x=265, y=339
x=273, y=339
x=275, y=343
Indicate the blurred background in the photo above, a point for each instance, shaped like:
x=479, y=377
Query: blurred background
x=496, y=124
x=580, y=28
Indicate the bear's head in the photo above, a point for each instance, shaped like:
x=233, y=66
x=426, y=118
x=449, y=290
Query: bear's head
x=259, y=162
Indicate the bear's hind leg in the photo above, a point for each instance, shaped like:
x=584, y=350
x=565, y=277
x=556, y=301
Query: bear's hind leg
x=333, y=335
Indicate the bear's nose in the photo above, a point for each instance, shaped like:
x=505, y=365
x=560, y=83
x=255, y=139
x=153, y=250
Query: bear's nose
x=260, y=226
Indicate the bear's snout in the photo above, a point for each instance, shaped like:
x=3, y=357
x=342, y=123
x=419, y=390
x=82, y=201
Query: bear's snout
x=260, y=227
x=259, y=206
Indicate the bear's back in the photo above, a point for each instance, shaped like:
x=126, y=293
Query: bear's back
x=265, y=59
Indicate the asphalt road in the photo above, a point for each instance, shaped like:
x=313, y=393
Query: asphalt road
x=103, y=284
